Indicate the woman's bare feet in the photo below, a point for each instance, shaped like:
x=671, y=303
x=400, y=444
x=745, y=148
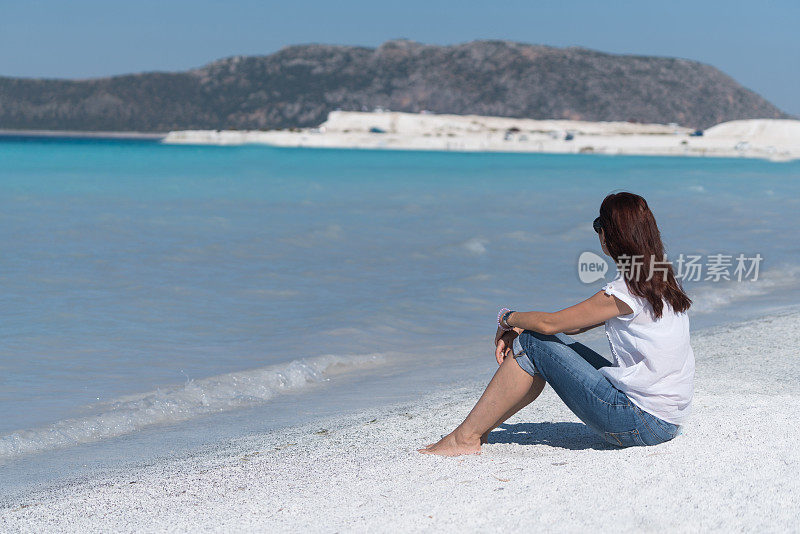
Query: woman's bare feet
x=510, y=390
x=453, y=445
x=484, y=440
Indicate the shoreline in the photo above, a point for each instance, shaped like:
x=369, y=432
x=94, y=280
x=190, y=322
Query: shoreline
x=76, y=134
x=45, y=468
x=543, y=468
x=771, y=139
x=775, y=140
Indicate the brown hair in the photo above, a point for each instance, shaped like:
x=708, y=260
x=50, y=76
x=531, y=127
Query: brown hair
x=630, y=230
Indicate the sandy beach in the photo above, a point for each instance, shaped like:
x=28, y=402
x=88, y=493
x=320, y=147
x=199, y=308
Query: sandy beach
x=773, y=139
x=733, y=468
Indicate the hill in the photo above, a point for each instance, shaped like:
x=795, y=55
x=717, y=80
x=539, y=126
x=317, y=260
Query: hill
x=298, y=85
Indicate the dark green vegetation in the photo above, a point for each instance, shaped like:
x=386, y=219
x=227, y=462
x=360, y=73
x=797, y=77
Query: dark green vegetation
x=299, y=85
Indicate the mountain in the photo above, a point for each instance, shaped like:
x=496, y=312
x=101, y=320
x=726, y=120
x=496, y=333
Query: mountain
x=298, y=85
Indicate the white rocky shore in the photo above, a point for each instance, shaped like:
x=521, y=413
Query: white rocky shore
x=773, y=139
x=734, y=469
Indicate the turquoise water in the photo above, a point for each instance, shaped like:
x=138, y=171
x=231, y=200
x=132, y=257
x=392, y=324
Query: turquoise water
x=146, y=284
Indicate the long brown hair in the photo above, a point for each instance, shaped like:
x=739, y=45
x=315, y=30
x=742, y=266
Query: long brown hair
x=630, y=231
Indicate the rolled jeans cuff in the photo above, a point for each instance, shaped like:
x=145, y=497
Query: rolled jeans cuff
x=522, y=359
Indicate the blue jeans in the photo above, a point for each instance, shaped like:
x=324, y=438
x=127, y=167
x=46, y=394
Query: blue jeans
x=571, y=369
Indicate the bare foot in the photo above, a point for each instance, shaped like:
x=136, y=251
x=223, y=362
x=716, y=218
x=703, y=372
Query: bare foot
x=484, y=440
x=452, y=445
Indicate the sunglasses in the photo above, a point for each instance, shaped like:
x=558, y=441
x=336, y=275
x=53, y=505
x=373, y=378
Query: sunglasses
x=596, y=225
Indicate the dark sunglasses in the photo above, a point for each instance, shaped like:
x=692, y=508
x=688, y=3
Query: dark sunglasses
x=596, y=225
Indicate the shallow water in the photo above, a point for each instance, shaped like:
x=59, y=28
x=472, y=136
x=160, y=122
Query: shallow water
x=146, y=284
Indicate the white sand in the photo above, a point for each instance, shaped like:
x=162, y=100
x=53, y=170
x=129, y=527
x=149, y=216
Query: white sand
x=760, y=138
x=735, y=468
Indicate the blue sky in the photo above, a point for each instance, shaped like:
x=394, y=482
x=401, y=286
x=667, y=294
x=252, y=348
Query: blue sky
x=756, y=43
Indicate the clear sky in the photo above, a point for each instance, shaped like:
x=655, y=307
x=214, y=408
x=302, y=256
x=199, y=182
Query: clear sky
x=756, y=42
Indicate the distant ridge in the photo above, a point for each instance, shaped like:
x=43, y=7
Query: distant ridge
x=298, y=85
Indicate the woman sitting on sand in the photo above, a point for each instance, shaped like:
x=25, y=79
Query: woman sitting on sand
x=640, y=399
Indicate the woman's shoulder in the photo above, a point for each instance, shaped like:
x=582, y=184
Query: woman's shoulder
x=619, y=289
x=618, y=283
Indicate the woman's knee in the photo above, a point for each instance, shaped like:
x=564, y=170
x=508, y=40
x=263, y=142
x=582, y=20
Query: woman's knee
x=534, y=342
x=537, y=347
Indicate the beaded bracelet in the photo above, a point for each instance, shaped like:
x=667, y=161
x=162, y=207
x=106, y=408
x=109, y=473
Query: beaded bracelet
x=502, y=317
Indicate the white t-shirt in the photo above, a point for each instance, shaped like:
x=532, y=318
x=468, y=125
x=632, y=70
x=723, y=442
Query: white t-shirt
x=653, y=360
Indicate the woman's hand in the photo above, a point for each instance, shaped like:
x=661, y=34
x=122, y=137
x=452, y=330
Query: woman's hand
x=499, y=334
x=503, y=342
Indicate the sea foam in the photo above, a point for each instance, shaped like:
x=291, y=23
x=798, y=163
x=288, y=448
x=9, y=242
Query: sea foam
x=179, y=403
x=716, y=296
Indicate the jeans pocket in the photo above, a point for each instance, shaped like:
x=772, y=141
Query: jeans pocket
x=624, y=439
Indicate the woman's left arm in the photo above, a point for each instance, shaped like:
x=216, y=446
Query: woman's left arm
x=596, y=309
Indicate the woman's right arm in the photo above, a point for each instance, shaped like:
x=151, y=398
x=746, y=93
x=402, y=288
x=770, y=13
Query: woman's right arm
x=584, y=329
x=596, y=309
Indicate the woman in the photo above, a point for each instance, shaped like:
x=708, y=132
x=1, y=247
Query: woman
x=640, y=399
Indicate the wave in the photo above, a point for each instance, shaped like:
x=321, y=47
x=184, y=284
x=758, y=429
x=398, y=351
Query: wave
x=476, y=245
x=714, y=296
x=195, y=398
